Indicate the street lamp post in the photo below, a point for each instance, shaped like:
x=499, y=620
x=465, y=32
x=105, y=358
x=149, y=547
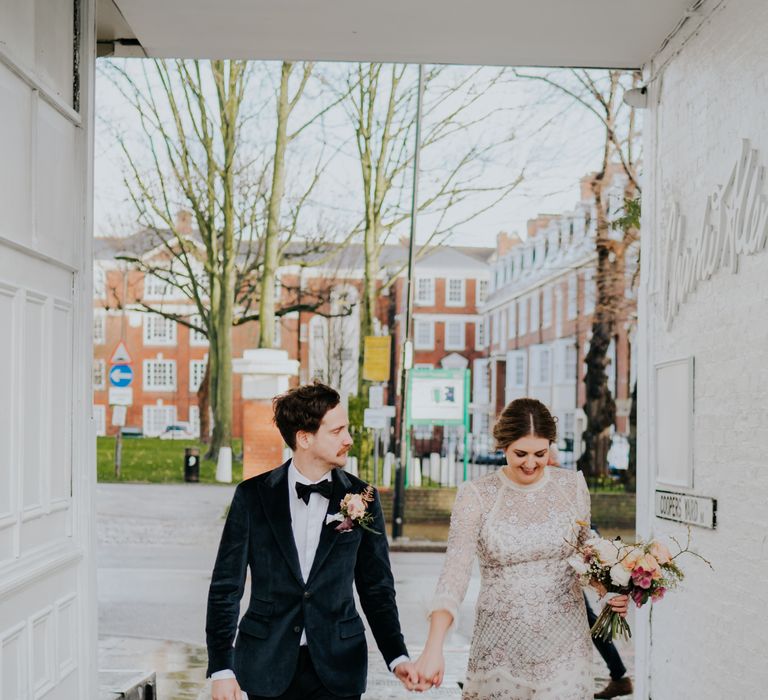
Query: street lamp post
x=407, y=350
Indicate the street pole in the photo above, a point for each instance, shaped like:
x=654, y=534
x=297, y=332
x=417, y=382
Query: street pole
x=407, y=353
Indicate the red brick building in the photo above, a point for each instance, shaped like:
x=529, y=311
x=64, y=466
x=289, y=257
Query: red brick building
x=169, y=359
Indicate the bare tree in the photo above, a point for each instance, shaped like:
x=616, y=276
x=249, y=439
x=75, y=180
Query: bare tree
x=455, y=146
x=617, y=235
x=199, y=134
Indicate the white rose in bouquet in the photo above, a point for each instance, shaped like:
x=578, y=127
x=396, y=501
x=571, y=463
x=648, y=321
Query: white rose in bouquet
x=620, y=576
x=608, y=552
x=578, y=564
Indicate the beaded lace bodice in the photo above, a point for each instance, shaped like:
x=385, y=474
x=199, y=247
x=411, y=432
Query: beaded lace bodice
x=531, y=632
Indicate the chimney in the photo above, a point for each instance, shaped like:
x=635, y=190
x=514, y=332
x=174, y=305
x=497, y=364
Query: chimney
x=586, y=187
x=505, y=242
x=184, y=222
x=537, y=224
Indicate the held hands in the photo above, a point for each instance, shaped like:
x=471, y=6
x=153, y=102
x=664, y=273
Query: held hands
x=226, y=689
x=419, y=676
x=431, y=668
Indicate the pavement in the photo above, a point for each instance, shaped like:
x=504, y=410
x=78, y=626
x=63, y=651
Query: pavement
x=156, y=548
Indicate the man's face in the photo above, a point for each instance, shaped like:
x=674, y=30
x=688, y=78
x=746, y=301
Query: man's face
x=332, y=441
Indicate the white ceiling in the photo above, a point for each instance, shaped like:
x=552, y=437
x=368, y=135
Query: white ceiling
x=590, y=33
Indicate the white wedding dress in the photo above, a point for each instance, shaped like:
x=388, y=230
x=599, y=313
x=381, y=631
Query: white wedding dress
x=531, y=637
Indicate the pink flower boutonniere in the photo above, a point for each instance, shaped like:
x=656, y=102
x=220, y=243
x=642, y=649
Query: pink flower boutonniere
x=353, y=510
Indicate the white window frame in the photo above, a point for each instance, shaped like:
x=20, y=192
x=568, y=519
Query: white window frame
x=482, y=291
x=419, y=342
x=521, y=371
x=481, y=333
x=590, y=291
x=99, y=372
x=99, y=326
x=428, y=298
x=544, y=366
x=570, y=362
x=535, y=311
x=522, y=316
x=461, y=299
x=572, y=297
x=149, y=367
x=462, y=343
x=99, y=282
x=149, y=425
x=512, y=320
x=100, y=419
x=196, y=374
x=496, y=327
x=197, y=339
x=151, y=323
x=546, y=310
x=157, y=288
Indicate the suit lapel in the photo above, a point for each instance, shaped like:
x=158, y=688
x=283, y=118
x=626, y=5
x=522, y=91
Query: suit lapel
x=328, y=535
x=274, y=499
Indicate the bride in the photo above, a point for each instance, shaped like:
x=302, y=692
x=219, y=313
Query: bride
x=531, y=637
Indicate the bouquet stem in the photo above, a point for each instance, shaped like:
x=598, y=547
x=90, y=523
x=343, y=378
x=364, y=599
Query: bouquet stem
x=609, y=625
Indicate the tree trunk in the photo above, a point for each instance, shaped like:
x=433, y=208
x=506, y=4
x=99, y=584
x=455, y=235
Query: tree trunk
x=600, y=406
x=272, y=234
x=203, y=405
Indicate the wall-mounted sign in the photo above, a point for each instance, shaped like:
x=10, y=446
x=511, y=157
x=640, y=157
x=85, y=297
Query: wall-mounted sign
x=684, y=508
x=735, y=223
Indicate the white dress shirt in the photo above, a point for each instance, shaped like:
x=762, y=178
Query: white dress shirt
x=307, y=521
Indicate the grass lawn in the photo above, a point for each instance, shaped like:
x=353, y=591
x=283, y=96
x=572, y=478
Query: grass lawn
x=156, y=461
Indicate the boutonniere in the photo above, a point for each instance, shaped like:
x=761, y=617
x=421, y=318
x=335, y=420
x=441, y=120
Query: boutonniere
x=353, y=511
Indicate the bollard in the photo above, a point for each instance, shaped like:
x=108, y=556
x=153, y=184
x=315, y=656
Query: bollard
x=191, y=464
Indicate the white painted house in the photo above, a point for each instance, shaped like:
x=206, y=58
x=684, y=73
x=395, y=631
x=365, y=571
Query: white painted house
x=703, y=378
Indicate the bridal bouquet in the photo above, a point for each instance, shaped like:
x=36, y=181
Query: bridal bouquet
x=643, y=570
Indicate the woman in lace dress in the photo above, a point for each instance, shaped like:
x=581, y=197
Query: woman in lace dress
x=531, y=638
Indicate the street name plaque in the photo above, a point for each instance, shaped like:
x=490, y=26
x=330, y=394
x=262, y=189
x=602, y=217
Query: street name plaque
x=684, y=508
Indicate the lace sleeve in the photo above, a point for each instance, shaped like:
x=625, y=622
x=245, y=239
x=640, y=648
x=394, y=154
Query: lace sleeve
x=466, y=520
x=583, y=507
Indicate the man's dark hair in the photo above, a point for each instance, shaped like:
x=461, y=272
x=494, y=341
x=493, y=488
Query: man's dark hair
x=303, y=408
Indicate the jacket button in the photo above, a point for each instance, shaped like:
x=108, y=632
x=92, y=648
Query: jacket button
x=297, y=629
x=307, y=594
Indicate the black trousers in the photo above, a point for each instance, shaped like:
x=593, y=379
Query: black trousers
x=305, y=685
x=607, y=650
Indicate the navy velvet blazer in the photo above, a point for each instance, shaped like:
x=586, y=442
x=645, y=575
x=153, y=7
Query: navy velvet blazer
x=258, y=534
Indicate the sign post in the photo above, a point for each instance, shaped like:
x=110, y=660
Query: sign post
x=376, y=354
x=120, y=396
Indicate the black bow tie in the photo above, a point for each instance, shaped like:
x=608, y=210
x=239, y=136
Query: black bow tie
x=304, y=491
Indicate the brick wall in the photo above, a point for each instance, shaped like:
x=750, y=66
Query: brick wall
x=707, y=93
x=609, y=510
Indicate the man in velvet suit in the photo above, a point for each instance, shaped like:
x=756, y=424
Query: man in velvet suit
x=302, y=637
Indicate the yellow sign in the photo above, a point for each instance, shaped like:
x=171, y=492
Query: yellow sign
x=376, y=358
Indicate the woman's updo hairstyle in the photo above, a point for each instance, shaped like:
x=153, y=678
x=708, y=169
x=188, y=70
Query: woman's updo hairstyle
x=521, y=418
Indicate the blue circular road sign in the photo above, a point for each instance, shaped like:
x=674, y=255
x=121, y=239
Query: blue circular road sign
x=120, y=375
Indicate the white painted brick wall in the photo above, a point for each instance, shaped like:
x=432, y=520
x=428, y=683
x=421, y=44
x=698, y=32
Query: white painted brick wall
x=709, y=640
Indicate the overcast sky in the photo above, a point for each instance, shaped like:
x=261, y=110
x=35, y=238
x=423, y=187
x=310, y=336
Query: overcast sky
x=556, y=142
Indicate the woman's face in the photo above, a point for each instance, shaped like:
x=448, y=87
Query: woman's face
x=526, y=459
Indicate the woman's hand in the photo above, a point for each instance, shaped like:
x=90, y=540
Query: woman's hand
x=620, y=604
x=431, y=667
x=226, y=689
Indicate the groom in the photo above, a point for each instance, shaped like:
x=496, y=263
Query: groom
x=301, y=637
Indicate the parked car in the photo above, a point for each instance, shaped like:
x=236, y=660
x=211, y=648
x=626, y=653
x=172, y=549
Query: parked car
x=496, y=457
x=178, y=431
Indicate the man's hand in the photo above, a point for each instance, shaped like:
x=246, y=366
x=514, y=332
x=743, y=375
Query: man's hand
x=409, y=676
x=226, y=689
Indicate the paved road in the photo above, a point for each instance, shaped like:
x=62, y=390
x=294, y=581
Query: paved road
x=156, y=547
